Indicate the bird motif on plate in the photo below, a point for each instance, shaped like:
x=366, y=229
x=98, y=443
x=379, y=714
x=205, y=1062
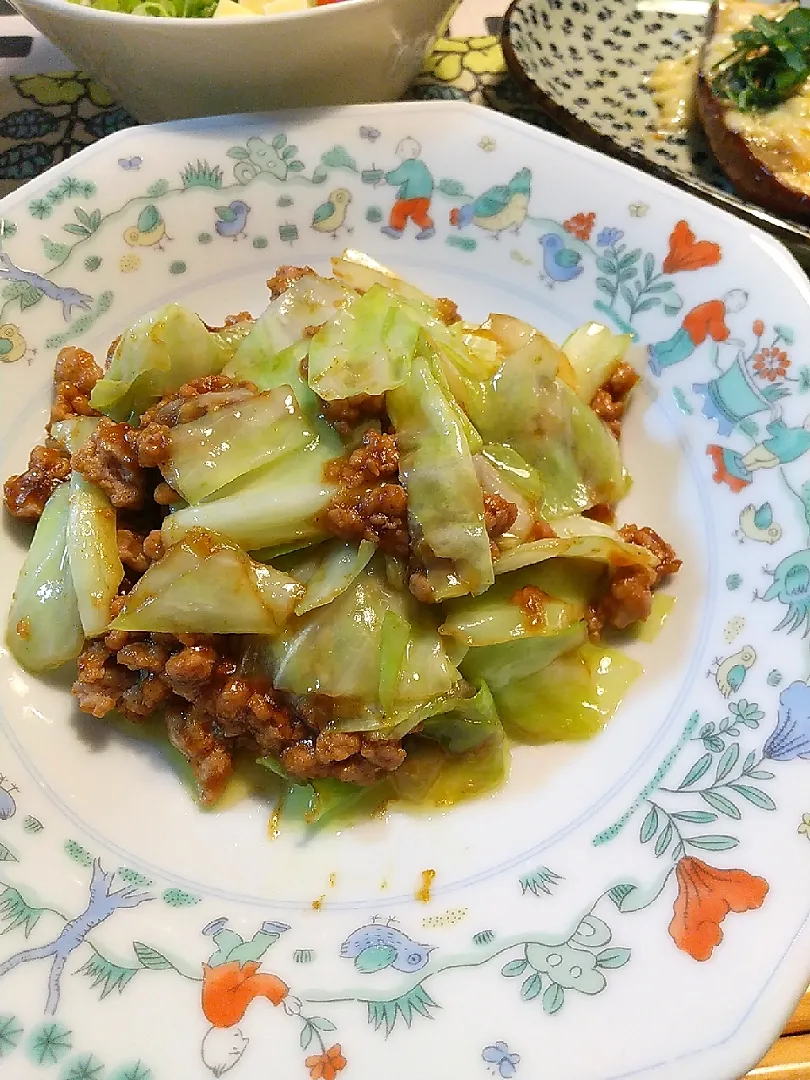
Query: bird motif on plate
x=232, y=219
x=756, y=523
x=330, y=216
x=150, y=230
x=731, y=672
x=500, y=208
x=377, y=946
x=560, y=262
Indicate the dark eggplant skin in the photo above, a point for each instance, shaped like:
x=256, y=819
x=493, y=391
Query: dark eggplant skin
x=751, y=177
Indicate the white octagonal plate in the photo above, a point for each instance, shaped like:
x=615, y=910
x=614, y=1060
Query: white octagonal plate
x=631, y=906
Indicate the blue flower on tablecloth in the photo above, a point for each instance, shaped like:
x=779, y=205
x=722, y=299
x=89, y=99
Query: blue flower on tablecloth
x=500, y=1060
x=791, y=737
x=105, y=123
x=609, y=236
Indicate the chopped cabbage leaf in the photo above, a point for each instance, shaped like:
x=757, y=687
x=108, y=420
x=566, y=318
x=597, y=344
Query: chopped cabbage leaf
x=561, y=589
x=495, y=480
x=571, y=698
x=325, y=801
x=272, y=354
x=206, y=585
x=44, y=627
x=92, y=544
x=594, y=352
x=362, y=273
x=445, y=504
x=524, y=342
x=595, y=545
x=509, y=661
x=156, y=356
x=474, y=440
x=394, y=638
x=331, y=802
x=366, y=349
x=439, y=582
x=232, y=441
x=337, y=651
x=430, y=777
x=336, y=566
x=575, y=456
x=274, y=506
x=74, y=432
x=268, y=371
x=577, y=525
x=471, y=722
x=282, y=324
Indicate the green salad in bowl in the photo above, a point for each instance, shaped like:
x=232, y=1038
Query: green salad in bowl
x=202, y=9
x=356, y=540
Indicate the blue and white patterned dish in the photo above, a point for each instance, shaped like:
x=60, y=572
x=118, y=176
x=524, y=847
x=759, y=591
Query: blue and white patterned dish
x=586, y=65
x=145, y=940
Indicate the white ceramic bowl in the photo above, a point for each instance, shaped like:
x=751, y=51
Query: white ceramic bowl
x=166, y=69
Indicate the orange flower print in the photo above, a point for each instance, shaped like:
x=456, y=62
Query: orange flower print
x=687, y=253
x=705, y=896
x=580, y=225
x=327, y=1065
x=759, y=327
x=771, y=364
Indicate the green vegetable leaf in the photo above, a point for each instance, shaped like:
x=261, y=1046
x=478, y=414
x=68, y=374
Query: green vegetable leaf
x=156, y=356
x=44, y=629
x=770, y=63
x=204, y=584
x=336, y=650
x=92, y=547
x=234, y=440
x=445, y=504
x=278, y=504
x=366, y=349
x=594, y=352
x=576, y=457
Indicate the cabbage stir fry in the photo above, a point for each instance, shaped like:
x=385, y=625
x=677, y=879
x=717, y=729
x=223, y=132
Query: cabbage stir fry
x=355, y=539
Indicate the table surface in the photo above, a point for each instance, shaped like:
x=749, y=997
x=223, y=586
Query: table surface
x=469, y=65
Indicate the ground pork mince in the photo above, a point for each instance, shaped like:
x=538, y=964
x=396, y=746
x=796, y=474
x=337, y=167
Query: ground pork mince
x=215, y=706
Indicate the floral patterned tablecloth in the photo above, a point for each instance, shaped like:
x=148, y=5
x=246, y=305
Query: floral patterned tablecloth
x=45, y=118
